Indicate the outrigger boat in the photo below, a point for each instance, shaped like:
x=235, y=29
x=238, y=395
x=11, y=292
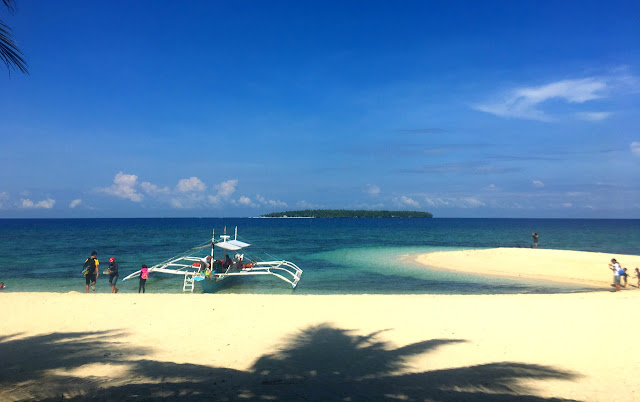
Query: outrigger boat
x=209, y=271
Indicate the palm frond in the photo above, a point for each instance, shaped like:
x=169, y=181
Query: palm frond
x=10, y=4
x=9, y=52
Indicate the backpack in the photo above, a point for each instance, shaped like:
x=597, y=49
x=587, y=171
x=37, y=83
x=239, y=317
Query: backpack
x=89, y=266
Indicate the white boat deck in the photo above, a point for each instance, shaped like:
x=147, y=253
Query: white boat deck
x=191, y=267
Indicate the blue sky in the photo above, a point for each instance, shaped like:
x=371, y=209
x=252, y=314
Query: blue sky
x=237, y=108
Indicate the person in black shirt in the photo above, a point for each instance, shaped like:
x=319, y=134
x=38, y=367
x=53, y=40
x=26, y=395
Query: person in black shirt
x=92, y=275
x=113, y=274
x=227, y=262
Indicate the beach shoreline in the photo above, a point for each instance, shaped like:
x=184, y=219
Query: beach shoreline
x=291, y=347
x=581, y=268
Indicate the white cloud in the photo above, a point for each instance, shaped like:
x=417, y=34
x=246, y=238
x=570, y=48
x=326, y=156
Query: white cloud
x=188, y=193
x=307, y=205
x=175, y=203
x=523, y=102
x=4, y=196
x=188, y=200
x=226, y=188
x=406, y=201
x=44, y=204
x=567, y=205
x=471, y=202
x=224, y=191
x=75, y=203
x=537, y=183
x=190, y=184
x=593, y=116
x=271, y=203
x=152, y=189
x=635, y=148
x=124, y=187
x=372, y=189
x=574, y=91
x=259, y=201
x=246, y=201
x=454, y=202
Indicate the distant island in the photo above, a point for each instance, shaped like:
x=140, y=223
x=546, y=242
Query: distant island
x=347, y=213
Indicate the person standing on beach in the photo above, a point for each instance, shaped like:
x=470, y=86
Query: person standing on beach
x=144, y=275
x=638, y=276
x=617, y=271
x=535, y=239
x=113, y=274
x=92, y=275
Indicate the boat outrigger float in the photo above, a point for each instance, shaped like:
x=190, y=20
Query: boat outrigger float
x=209, y=271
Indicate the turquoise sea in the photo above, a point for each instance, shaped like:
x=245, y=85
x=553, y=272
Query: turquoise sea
x=338, y=256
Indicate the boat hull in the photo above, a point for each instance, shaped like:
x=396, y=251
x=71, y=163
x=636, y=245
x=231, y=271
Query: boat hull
x=215, y=285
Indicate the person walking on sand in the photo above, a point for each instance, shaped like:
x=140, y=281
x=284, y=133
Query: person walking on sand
x=617, y=271
x=144, y=275
x=624, y=277
x=91, y=264
x=535, y=239
x=113, y=274
x=638, y=276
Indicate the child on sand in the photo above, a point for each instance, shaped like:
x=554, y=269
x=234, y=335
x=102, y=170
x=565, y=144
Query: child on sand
x=144, y=275
x=113, y=274
x=638, y=276
x=624, y=276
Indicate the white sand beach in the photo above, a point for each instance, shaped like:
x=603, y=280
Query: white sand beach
x=562, y=266
x=295, y=347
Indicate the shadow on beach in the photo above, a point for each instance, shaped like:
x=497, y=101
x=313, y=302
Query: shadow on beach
x=320, y=363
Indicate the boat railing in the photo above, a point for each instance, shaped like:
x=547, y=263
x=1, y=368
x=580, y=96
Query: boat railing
x=285, y=270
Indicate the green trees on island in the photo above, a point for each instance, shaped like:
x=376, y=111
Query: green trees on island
x=347, y=213
x=10, y=54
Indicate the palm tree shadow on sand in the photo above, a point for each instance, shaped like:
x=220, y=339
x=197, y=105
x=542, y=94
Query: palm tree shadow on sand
x=320, y=363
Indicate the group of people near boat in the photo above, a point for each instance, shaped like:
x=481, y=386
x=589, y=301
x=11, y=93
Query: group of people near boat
x=91, y=272
x=207, y=265
x=620, y=274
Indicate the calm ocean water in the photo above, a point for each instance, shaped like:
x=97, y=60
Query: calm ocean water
x=338, y=256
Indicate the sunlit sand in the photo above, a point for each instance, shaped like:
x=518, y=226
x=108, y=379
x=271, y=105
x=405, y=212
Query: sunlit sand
x=563, y=266
x=358, y=347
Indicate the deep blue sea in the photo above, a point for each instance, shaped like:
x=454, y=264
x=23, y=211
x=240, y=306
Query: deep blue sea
x=338, y=256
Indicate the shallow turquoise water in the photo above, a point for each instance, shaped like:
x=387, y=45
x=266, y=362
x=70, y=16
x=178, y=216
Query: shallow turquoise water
x=338, y=256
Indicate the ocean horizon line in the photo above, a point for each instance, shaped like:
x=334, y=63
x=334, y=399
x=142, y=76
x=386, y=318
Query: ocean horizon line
x=262, y=217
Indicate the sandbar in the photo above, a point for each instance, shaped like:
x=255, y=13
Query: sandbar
x=562, y=266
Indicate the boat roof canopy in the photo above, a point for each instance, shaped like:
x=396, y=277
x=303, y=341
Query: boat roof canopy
x=232, y=245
